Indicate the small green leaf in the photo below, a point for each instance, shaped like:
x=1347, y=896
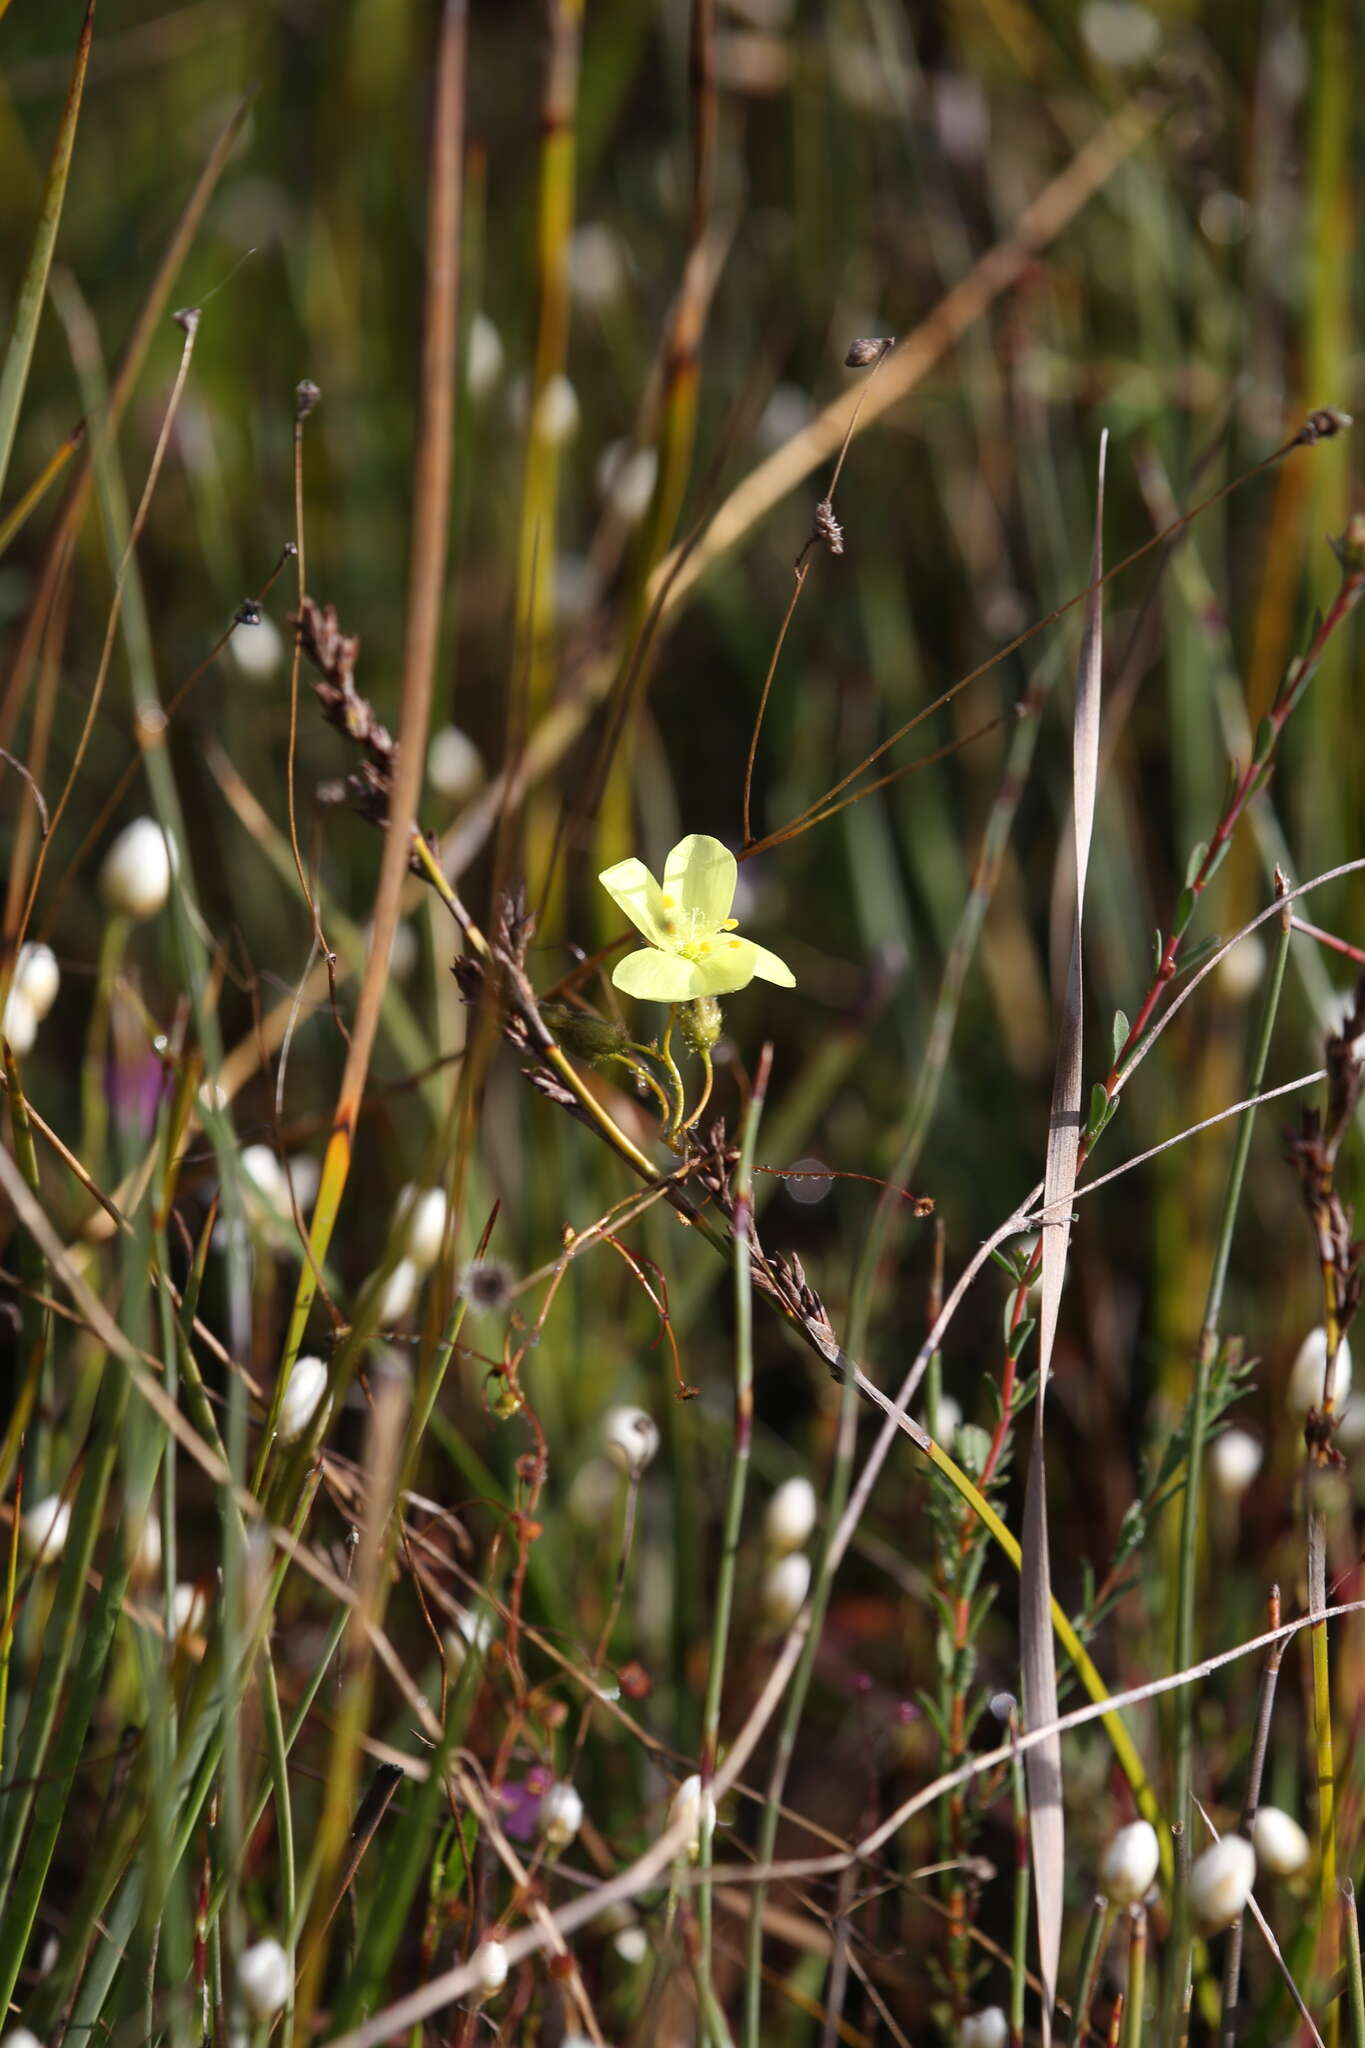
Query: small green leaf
x=1019, y=1337
x=1184, y=911
x=1197, y=955
x=1265, y=742
x=1157, y=952
x=1121, y=1030
x=1195, y=863
x=1102, y=1107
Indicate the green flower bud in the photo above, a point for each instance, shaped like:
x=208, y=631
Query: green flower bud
x=699, y=1022
x=585, y=1036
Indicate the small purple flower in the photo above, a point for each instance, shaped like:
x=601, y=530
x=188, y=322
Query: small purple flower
x=134, y=1088
x=521, y=1803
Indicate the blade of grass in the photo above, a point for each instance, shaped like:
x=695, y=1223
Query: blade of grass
x=1044, y=1765
x=33, y=290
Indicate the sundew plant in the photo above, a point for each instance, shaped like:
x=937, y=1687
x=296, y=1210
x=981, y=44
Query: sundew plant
x=683, y=1024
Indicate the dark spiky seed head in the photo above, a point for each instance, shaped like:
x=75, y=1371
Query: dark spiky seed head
x=867, y=350
x=486, y=1284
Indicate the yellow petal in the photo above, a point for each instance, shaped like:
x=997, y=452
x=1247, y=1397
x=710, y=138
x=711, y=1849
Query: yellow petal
x=631, y=886
x=657, y=977
x=768, y=967
x=700, y=874
x=727, y=965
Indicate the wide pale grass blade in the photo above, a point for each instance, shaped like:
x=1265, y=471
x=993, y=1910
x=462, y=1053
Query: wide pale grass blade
x=1044, y=1764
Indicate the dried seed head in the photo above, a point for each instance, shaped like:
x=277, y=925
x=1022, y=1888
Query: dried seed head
x=306, y=396
x=1323, y=424
x=828, y=528
x=868, y=349
x=486, y=1284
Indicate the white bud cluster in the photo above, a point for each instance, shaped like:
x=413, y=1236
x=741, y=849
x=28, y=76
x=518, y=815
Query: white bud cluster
x=1220, y=1883
x=630, y=1439
x=561, y=1815
x=32, y=993
x=1280, y=1843
x=689, y=1805
x=1309, y=1370
x=1129, y=1864
x=264, y=1978
x=303, y=1396
x=138, y=869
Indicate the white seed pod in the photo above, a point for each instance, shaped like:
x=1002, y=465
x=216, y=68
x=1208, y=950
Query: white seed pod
x=264, y=1978
x=267, y=1177
x=985, y=2029
x=305, y=1175
x=455, y=766
x=1241, y=970
x=785, y=1586
x=1221, y=1881
x=19, y=2037
x=1119, y=32
x=625, y=478
x=490, y=1964
x=44, y=1528
x=577, y=587
x=421, y=1216
x=596, y=264
x=303, y=1396
x=19, y=1023
x=790, y=1516
x=1280, y=1843
x=630, y=1439
x=257, y=647
x=189, y=1608
x=399, y=1292
x=1309, y=1369
x=561, y=1815
x=1129, y=1864
x=38, y=977
x=688, y=1805
x=949, y=1420
x=135, y=879
x=632, y=1945
x=483, y=356
x=557, y=412
x=145, y=1559
x=1235, y=1458
x=471, y=1632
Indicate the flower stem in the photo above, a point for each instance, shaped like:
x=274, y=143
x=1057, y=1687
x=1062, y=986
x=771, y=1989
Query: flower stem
x=734, y=1506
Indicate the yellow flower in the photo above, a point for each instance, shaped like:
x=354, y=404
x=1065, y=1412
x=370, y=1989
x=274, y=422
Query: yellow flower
x=692, y=948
